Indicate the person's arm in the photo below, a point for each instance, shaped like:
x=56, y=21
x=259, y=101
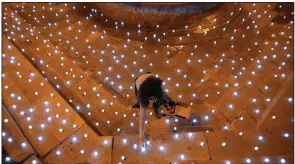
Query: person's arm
x=142, y=118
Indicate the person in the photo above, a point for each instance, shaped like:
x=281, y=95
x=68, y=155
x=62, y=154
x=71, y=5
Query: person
x=148, y=87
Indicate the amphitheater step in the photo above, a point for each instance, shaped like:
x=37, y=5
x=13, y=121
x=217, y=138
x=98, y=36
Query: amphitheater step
x=13, y=140
x=41, y=113
x=84, y=146
x=78, y=86
x=162, y=148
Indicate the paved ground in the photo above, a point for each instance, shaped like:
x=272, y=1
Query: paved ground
x=68, y=78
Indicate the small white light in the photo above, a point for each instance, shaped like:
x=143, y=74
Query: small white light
x=58, y=153
x=95, y=153
x=82, y=151
x=266, y=160
x=167, y=121
x=248, y=160
x=42, y=125
x=260, y=138
x=241, y=133
x=74, y=139
x=202, y=144
x=182, y=156
x=286, y=135
x=143, y=149
x=230, y=106
x=40, y=138
x=283, y=160
x=256, y=148
x=24, y=144
x=124, y=141
x=223, y=144
x=135, y=146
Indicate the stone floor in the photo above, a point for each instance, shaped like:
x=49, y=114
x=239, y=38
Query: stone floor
x=68, y=74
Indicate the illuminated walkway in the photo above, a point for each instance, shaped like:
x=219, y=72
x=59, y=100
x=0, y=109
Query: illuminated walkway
x=68, y=77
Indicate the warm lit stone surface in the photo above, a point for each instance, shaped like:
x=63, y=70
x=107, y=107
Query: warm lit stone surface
x=32, y=160
x=14, y=142
x=83, y=146
x=69, y=70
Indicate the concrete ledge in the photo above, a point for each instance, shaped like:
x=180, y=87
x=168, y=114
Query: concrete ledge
x=152, y=15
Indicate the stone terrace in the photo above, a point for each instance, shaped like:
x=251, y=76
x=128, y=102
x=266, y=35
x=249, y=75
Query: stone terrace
x=68, y=86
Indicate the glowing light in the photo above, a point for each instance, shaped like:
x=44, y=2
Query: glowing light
x=266, y=160
x=241, y=133
x=135, y=146
x=286, y=135
x=9, y=139
x=248, y=160
x=40, y=138
x=182, y=156
x=256, y=148
x=230, y=106
x=95, y=153
x=202, y=144
x=223, y=144
x=143, y=149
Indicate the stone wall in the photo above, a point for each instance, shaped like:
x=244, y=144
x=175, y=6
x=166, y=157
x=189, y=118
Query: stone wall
x=152, y=15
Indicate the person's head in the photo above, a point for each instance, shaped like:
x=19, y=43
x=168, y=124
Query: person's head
x=151, y=88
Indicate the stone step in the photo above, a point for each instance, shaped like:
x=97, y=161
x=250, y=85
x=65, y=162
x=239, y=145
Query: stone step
x=32, y=160
x=13, y=140
x=162, y=148
x=83, y=146
x=42, y=114
x=229, y=145
x=202, y=119
x=58, y=77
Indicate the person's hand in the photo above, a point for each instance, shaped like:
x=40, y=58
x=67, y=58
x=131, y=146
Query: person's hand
x=141, y=142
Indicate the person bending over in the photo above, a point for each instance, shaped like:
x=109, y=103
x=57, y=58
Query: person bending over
x=148, y=88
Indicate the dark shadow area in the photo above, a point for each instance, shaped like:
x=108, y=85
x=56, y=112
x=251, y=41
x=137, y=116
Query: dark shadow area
x=284, y=13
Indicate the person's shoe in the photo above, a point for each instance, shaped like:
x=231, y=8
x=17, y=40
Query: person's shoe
x=136, y=105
